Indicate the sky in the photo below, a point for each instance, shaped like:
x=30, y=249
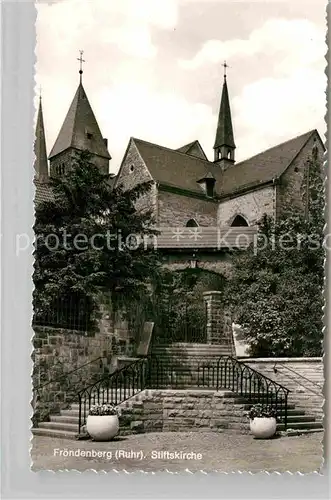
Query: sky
x=154, y=69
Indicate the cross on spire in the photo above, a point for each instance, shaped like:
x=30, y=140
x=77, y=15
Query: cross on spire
x=81, y=61
x=225, y=65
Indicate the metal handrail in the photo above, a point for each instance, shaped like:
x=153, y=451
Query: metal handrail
x=114, y=388
x=301, y=376
x=252, y=385
x=153, y=372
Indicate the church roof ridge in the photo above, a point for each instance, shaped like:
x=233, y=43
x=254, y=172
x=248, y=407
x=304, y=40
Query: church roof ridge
x=284, y=143
x=172, y=150
x=172, y=167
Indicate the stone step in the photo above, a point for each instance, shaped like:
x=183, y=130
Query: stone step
x=38, y=431
x=299, y=418
x=300, y=425
x=59, y=426
x=64, y=419
x=298, y=432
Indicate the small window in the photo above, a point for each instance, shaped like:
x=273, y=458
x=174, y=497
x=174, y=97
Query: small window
x=229, y=154
x=296, y=169
x=132, y=168
x=192, y=223
x=89, y=135
x=239, y=221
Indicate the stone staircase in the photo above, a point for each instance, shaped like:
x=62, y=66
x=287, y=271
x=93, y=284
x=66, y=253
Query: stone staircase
x=178, y=411
x=186, y=399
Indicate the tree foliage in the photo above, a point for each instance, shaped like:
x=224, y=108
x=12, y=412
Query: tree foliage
x=92, y=236
x=276, y=289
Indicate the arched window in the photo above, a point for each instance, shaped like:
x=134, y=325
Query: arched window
x=239, y=221
x=192, y=223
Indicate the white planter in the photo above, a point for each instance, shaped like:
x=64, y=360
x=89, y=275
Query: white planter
x=102, y=427
x=263, y=427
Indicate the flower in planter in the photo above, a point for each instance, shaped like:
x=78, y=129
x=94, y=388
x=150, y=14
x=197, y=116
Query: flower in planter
x=100, y=409
x=259, y=411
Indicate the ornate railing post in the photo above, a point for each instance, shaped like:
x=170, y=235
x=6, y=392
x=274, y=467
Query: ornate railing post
x=218, y=322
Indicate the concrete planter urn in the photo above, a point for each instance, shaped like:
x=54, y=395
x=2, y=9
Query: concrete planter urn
x=102, y=422
x=262, y=421
x=263, y=427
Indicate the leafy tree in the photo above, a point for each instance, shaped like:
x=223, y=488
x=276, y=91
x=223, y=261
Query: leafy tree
x=276, y=288
x=92, y=236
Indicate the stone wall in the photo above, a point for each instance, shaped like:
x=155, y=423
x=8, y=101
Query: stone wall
x=219, y=262
x=219, y=322
x=291, y=191
x=180, y=410
x=68, y=156
x=304, y=377
x=252, y=206
x=66, y=360
x=176, y=210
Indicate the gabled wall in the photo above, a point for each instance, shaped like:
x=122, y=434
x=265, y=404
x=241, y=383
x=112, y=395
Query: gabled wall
x=133, y=171
x=252, y=206
x=290, y=192
x=176, y=210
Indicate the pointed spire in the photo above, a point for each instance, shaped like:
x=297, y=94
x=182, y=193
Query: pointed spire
x=224, y=142
x=80, y=129
x=40, y=164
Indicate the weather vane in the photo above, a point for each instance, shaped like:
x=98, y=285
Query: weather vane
x=81, y=61
x=225, y=65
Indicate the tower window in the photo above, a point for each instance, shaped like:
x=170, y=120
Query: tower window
x=131, y=168
x=89, y=135
x=239, y=221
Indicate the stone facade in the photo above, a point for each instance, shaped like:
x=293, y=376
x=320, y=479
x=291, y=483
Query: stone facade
x=219, y=262
x=219, y=322
x=176, y=210
x=183, y=410
x=133, y=171
x=67, y=157
x=251, y=206
x=290, y=192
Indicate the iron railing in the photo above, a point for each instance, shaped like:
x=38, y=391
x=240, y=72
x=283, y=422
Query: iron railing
x=252, y=385
x=156, y=373
x=71, y=312
x=114, y=388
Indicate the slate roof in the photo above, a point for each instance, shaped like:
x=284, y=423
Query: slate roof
x=189, y=150
x=176, y=169
x=79, y=121
x=265, y=166
x=43, y=192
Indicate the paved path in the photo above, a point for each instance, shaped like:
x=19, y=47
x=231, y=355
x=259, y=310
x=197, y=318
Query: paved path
x=148, y=452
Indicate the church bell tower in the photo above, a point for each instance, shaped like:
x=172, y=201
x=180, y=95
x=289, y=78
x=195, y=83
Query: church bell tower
x=224, y=147
x=80, y=132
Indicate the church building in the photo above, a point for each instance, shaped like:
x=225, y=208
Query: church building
x=189, y=190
